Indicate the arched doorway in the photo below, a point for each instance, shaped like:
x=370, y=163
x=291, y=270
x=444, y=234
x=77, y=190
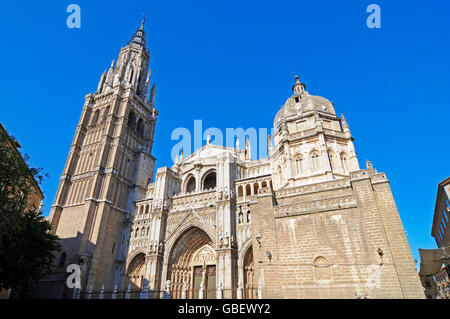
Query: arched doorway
x=250, y=289
x=192, y=263
x=136, y=272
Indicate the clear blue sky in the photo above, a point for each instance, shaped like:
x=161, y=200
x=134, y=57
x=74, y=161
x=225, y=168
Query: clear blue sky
x=231, y=64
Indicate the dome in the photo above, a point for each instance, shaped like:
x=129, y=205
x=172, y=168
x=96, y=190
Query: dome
x=298, y=105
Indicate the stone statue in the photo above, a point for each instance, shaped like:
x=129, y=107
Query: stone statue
x=226, y=240
x=220, y=240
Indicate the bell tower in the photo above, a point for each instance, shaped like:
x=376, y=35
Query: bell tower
x=108, y=168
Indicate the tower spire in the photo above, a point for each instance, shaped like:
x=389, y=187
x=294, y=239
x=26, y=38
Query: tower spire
x=139, y=36
x=143, y=22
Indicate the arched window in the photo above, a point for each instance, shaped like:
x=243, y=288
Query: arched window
x=95, y=117
x=140, y=126
x=147, y=207
x=209, y=182
x=255, y=188
x=344, y=161
x=131, y=75
x=138, y=91
x=248, y=190
x=264, y=184
x=299, y=165
x=190, y=185
x=105, y=113
x=240, y=191
x=132, y=120
x=136, y=234
x=249, y=218
x=334, y=161
x=322, y=268
x=315, y=161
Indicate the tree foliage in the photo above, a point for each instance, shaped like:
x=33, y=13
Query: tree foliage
x=26, y=244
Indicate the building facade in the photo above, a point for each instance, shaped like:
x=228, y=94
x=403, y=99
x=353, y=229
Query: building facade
x=441, y=212
x=306, y=222
x=434, y=263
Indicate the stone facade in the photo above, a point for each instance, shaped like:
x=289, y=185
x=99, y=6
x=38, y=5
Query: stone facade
x=306, y=222
x=434, y=267
x=441, y=212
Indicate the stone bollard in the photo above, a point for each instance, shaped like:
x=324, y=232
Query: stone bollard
x=76, y=293
x=239, y=290
x=114, y=293
x=166, y=293
x=127, y=293
x=144, y=292
x=89, y=293
x=219, y=294
x=259, y=291
x=150, y=292
x=100, y=293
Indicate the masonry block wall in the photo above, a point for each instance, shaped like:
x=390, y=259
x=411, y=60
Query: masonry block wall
x=350, y=245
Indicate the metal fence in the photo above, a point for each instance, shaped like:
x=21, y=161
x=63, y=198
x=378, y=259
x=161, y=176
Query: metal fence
x=147, y=293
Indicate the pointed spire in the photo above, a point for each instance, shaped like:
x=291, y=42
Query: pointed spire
x=345, y=126
x=269, y=143
x=148, y=76
x=181, y=156
x=248, y=154
x=208, y=138
x=237, y=143
x=109, y=76
x=152, y=95
x=142, y=24
x=101, y=82
x=139, y=36
x=370, y=168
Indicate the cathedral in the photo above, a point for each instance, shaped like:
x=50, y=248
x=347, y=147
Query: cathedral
x=306, y=222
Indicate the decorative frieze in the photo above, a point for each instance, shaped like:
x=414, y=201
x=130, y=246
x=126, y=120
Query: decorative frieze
x=316, y=206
